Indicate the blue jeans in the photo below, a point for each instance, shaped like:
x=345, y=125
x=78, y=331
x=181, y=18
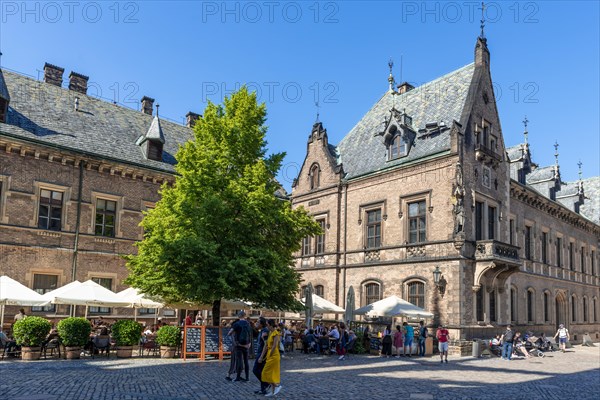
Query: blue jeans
x=421, y=347
x=507, y=350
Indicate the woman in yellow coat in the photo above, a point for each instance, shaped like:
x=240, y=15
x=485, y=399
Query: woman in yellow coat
x=270, y=353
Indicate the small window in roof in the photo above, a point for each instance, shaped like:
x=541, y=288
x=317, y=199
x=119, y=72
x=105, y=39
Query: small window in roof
x=398, y=147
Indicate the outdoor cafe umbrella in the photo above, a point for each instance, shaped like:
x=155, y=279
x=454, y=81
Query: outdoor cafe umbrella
x=350, y=300
x=88, y=293
x=138, y=300
x=394, y=306
x=320, y=305
x=13, y=293
x=308, y=303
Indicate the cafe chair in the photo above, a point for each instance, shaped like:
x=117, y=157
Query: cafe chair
x=52, y=346
x=100, y=344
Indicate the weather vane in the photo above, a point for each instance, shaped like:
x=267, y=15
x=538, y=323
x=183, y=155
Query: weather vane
x=317, y=105
x=482, y=19
x=556, y=151
x=579, y=164
x=526, y=133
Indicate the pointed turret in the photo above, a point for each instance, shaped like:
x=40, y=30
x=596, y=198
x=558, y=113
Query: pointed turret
x=153, y=140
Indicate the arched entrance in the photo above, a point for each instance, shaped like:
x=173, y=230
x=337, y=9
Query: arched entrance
x=560, y=307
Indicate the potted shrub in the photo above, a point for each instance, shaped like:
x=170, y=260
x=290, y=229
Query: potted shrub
x=74, y=333
x=168, y=338
x=126, y=333
x=29, y=333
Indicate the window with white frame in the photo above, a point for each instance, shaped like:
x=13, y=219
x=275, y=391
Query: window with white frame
x=373, y=228
x=320, y=239
x=50, y=209
x=416, y=293
x=43, y=283
x=106, y=215
x=372, y=292
x=106, y=283
x=417, y=222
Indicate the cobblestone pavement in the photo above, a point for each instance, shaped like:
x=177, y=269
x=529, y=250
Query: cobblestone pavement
x=575, y=374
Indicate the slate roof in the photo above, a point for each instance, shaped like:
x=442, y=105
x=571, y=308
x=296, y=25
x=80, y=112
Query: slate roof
x=363, y=151
x=515, y=152
x=591, y=205
x=3, y=89
x=45, y=113
x=540, y=174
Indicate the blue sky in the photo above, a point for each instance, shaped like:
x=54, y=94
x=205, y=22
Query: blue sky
x=544, y=60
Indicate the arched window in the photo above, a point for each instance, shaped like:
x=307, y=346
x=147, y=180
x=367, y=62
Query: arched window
x=479, y=304
x=585, y=310
x=319, y=290
x=530, y=305
x=594, y=310
x=303, y=291
x=492, y=298
x=546, y=307
x=513, y=304
x=314, y=176
x=416, y=293
x=372, y=292
x=574, y=308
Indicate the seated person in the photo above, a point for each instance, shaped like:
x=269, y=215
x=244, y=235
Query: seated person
x=53, y=334
x=495, y=341
x=519, y=344
x=310, y=343
x=102, y=341
x=8, y=345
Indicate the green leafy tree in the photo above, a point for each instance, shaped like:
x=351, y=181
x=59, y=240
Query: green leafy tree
x=220, y=231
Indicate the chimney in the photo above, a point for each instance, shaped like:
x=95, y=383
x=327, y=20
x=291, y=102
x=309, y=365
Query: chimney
x=405, y=87
x=53, y=74
x=78, y=82
x=190, y=119
x=147, y=104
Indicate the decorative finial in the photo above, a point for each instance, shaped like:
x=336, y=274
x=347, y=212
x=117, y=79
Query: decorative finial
x=580, y=183
x=482, y=20
x=579, y=164
x=526, y=133
x=157, y=105
x=317, y=105
x=391, y=77
x=556, y=152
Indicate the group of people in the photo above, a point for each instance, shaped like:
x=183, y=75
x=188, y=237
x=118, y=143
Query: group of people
x=511, y=341
x=268, y=356
x=336, y=338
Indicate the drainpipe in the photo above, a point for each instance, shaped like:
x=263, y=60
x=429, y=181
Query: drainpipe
x=77, y=224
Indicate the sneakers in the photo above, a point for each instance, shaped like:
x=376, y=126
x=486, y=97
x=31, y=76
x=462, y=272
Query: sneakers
x=240, y=380
x=277, y=389
x=341, y=358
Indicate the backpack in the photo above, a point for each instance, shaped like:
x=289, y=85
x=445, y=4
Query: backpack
x=508, y=336
x=244, y=335
x=423, y=332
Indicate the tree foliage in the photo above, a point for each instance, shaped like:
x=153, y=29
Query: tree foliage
x=220, y=231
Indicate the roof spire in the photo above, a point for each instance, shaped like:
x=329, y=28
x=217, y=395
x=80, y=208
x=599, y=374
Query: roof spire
x=556, y=153
x=526, y=133
x=580, y=183
x=482, y=35
x=157, y=105
x=317, y=105
x=391, y=77
x=579, y=164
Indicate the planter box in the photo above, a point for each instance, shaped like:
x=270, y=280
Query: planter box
x=31, y=353
x=73, y=353
x=167, y=352
x=124, y=351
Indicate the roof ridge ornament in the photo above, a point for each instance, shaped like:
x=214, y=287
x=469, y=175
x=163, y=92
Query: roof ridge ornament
x=526, y=133
x=391, y=79
x=482, y=26
x=317, y=105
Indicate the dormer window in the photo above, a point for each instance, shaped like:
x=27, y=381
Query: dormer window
x=314, y=176
x=155, y=151
x=397, y=148
x=3, y=109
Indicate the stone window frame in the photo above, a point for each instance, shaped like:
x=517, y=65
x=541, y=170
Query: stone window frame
x=306, y=249
x=104, y=275
x=594, y=309
x=403, y=143
x=321, y=220
x=582, y=259
x=4, y=183
x=574, y=308
x=558, y=250
x=363, y=211
x=571, y=254
x=363, y=289
x=415, y=279
x=544, y=255
x=404, y=202
x=314, y=176
x=585, y=308
x=118, y=211
x=487, y=202
x=479, y=300
x=512, y=229
x=547, y=306
x=60, y=281
x=530, y=305
x=38, y=186
x=531, y=248
x=492, y=294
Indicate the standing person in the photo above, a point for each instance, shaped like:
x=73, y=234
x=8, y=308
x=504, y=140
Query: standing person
x=271, y=371
x=409, y=335
x=243, y=338
x=343, y=342
x=232, y=364
x=507, y=339
x=443, y=335
x=188, y=319
x=259, y=364
x=20, y=315
x=563, y=337
x=399, y=341
x=423, y=333
x=386, y=343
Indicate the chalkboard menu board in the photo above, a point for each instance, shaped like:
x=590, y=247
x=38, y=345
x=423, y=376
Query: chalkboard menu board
x=375, y=343
x=227, y=341
x=211, y=340
x=192, y=338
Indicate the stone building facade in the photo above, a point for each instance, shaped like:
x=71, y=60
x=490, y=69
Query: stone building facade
x=424, y=181
x=76, y=174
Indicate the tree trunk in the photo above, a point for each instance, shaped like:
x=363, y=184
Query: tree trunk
x=216, y=312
